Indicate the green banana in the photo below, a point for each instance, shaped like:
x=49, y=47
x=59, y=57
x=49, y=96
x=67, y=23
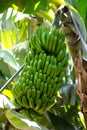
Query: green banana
x=30, y=83
x=48, y=80
x=42, y=109
x=61, y=76
x=31, y=102
x=64, y=61
x=53, y=98
x=41, y=87
x=43, y=39
x=35, y=45
x=41, y=55
x=45, y=67
x=49, y=69
x=14, y=92
x=38, y=94
x=35, y=78
x=48, y=59
x=59, y=47
x=44, y=98
x=54, y=44
x=25, y=102
x=14, y=101
x=33, y=93
x=41, y=75
x=50, y=89
x=59, y=68
x=47, y=33
x=48, y=40
x=53, y=71
x=44, y=77
x=19, y=101
x=38, y=32
x=31, y=77
x=60, y=56
x=31, y=62
x=32, y=53
x=39, y=65
x=45, y=88
x=34, y=114
x=53, y=60
x=44, y=59
x=44, y=70
x=37, y=40
x=38, y=105
x=35, y=64
x=38, y=84
x=51, y=41
x=59, y=85
x=29, y=93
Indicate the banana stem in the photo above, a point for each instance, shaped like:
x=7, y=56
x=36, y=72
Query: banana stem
x=16, y=73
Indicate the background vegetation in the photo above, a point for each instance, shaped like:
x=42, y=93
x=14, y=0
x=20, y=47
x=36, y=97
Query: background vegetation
x=18, y=21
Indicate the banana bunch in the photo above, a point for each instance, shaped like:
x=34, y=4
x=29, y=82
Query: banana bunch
x=44, y=69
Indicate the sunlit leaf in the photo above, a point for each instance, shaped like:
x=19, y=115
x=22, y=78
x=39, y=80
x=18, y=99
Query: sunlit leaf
x=82, y=119
x=6, y=57
x=45, y=15
x=20, y=122
x=8, y=38
x=5, y=102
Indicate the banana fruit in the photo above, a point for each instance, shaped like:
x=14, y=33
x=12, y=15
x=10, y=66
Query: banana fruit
x=42, y=76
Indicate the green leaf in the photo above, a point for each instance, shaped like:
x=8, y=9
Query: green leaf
x=2, y=115
x=68, y=94
x=35, y=5
x=5, y=102
x=19, y=51
x=2, y=79
x=7, y=20
x=20, y=122
x=82, y=6
x=5, y=5
x=59, y=123
x=8, y=64
x=72, y=2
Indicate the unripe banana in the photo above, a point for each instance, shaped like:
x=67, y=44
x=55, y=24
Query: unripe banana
x=29, y=93
x=38, y=94
x=44, y=70
x=39, y=65
x=38, y=105
x=54, y=45
x=42, y=109
x=25, y=102
x=31, y=102
x=45, y=67
x=38, y=84
x=45, y=88
x=44, y=98
x=33, y=93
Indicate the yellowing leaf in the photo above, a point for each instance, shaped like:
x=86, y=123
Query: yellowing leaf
x=7, y=38
x=7, y=93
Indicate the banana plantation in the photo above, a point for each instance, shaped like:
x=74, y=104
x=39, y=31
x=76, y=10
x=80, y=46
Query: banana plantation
x=43, y=65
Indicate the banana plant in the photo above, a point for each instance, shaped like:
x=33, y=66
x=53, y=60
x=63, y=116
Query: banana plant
x=18, y=27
